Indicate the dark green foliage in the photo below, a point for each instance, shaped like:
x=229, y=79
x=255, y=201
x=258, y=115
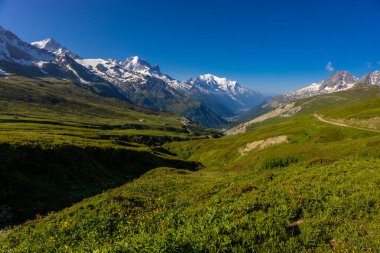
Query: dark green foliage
x=331, y=135
x=36, y=180
x=278, y=162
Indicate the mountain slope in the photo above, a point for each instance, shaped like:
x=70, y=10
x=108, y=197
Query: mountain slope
x=60, y=143
x=276, y=197
x=371, y=78
x=54, y=47
x=21, y=58
x=338, y=81
x=310, y=105
x=137, y=81
x=227, y=98
x=15, y=50
x=147, y=86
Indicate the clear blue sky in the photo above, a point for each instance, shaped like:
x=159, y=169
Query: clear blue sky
x=269, y=45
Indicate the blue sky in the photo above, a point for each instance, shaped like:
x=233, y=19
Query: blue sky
x=271, y=46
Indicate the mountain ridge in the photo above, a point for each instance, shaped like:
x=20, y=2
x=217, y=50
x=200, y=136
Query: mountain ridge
x=136, y=80
x=338, y=81
x=132, y=79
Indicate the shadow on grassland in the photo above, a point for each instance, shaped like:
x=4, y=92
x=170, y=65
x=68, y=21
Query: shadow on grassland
x=35, y=180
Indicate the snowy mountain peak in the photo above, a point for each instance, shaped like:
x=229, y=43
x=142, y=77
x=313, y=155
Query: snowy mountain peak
x=209, y=81
x=15, y=50
x=340, y=80
x=137, y=64
x=371, y=78
x=54, y=47
x=48, y=44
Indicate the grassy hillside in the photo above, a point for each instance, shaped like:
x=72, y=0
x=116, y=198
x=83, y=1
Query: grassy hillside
x=34, y=108
x=342, y=103
x=363, y=114
x=319, y=190
x=343, y=99
x=60, y=143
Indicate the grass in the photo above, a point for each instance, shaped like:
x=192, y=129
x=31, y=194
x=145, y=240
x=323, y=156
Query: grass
x=317, y=192
x=343, y=99
x=363, y=114
x=362, y=99
x=31, y=109
x=317, y=202
x=60, y=143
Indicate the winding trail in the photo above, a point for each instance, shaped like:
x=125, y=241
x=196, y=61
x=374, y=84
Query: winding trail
x=344, y=125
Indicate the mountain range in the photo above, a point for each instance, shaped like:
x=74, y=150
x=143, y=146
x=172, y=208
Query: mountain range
x=338, y=81
x=208, y=100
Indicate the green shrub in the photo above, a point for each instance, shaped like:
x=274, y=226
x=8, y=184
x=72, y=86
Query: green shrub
x=278, y=162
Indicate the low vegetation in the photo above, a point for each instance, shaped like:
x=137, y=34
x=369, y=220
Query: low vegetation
x=319, y=191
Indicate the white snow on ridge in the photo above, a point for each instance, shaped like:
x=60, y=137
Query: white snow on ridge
x=375, y=78
x=338, y=81
x=14, y=49
x=132, y=70
x=73, y=70
x=306, y=91
x=3, y=73
x=54, y=47
x=219, y=82
x=209, y=82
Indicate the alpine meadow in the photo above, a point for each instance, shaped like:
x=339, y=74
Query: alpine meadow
x=99, y=154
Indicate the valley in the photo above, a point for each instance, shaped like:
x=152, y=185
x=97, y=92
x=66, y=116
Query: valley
x=303, y=192
x=115, y=156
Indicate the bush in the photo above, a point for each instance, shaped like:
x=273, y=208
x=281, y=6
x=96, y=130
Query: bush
x=278, y=162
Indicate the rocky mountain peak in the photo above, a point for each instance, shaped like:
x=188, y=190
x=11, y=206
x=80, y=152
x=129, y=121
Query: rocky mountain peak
x=54, y=47
x=338, y=81
x=137, y=64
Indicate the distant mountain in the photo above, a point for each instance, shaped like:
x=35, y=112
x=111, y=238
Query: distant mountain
x=3, y=73
x=133, y=70
x=207, y=99
x=227, y=98
x=15, y=50
x=341, y=80
x=371, y=78
x=146, y=85
x=338, y=81
x=21, y=58
x=54, y=47
x=133, y=79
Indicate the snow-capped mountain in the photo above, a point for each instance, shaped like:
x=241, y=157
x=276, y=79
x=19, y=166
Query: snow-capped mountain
x=310, y=90
x=15, y=50
x=212, y=83
x=134, y=79
x=21, y=58
x=3, y=73
x=133, y=70
x=146, y=85
x=371, y=78
x=209, y=82
x=206, y=99
x=224, y=96
x=54, y=47
x=339, y=81
x=136, y=64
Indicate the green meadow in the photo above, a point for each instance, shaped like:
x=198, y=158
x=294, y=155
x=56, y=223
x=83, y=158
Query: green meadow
x=92, y=174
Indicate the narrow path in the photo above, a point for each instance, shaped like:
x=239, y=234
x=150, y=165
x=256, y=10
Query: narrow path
x=344, y=125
